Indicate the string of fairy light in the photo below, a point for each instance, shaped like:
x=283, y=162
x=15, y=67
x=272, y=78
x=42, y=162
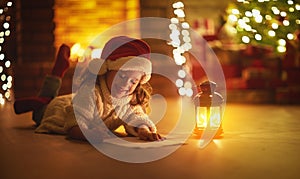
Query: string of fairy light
x=5, y=63
x=181, y=42
x=269, y=22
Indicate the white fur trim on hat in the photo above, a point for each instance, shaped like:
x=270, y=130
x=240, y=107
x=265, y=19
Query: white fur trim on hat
x=130, y=63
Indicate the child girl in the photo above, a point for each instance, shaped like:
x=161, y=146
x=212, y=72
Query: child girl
x=115, y=92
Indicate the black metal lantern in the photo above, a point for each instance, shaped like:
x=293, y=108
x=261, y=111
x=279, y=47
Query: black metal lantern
x=208, y=109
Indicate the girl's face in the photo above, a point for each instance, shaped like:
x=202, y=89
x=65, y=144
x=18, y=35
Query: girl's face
x=123, y=83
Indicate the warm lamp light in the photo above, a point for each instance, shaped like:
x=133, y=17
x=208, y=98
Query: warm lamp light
x=208, y=109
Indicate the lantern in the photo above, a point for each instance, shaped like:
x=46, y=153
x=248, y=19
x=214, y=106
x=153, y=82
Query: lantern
x=208, y=109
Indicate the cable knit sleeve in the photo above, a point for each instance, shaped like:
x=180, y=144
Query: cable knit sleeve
x=136, y=118
x=87, y=107
x=84, y=105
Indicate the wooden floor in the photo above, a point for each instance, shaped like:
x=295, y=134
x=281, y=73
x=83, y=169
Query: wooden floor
x=260, y=141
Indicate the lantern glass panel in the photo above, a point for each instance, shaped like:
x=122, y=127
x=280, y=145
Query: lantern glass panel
x=215, y=117
x=201, y=117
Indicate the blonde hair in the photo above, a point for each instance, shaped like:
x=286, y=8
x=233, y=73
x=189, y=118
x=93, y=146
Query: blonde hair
x=141, y=96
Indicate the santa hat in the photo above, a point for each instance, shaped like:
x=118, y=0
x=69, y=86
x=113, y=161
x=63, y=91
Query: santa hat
x=123, y=53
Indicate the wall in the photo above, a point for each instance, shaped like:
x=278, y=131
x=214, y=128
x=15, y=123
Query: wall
x=82, y=21
x=43, y=25
x=35, y=44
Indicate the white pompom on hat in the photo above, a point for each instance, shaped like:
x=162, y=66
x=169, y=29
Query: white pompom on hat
x=123, y=53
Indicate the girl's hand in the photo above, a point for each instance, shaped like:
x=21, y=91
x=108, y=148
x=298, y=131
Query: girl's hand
x=144, y=133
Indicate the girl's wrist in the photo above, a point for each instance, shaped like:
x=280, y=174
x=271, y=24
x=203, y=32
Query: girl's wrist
x=141, y=127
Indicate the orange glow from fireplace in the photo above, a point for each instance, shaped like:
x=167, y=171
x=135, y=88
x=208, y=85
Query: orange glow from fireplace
x=76, y=52
x=80, y=22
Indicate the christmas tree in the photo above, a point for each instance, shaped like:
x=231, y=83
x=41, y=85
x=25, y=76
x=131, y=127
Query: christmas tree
x=273, y=23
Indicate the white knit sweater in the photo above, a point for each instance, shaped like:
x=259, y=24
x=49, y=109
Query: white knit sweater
x=91, y=107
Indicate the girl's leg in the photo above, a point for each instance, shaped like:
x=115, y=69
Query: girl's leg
x=49, y=90
x=62, y=61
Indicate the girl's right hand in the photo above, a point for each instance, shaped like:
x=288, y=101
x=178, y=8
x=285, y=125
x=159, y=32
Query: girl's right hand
x=145, y=134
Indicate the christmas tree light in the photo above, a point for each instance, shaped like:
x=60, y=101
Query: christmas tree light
x=5, y=63
x=266, y=22
x=180, y=30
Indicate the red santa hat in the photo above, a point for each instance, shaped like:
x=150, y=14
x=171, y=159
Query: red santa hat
x=123, y=53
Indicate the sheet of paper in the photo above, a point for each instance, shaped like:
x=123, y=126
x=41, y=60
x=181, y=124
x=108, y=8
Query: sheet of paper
x=134, y=142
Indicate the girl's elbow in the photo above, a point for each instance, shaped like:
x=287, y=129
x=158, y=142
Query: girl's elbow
x=76, y=133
